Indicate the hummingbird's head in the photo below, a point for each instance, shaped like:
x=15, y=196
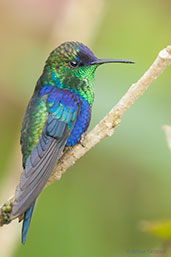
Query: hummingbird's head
x=72, y=65
x=74, y=59
x=72, y=55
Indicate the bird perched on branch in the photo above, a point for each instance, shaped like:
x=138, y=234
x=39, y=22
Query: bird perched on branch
x=57, y=115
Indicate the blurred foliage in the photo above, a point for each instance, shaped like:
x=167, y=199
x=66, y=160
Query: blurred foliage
x=96, y=206
x=167, y=130
x=161, y=229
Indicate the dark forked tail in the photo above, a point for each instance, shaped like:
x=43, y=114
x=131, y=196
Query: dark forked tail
x=26, y=222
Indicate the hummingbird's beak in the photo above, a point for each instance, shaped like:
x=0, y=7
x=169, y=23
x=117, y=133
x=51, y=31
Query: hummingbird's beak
x=101, y=61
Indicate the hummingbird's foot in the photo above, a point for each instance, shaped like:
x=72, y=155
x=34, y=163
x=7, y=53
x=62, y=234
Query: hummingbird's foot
x=21, y=217
x=5, y=212
x=66, y=149
x=82, y=139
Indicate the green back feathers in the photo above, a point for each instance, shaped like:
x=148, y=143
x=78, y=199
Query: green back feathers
x=33, y=123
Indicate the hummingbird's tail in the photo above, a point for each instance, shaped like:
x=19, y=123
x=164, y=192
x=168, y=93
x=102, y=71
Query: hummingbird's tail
x=26, y=222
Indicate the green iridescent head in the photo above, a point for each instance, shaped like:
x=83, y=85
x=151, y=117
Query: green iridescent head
x=72, y=66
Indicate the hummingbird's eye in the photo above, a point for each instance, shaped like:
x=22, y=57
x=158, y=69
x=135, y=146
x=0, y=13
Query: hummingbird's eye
x=73, y=64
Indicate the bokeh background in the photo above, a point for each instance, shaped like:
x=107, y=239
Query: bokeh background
x=97, y=206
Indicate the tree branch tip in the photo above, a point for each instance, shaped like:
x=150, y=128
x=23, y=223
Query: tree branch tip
x=169, y=49
x=165, y=53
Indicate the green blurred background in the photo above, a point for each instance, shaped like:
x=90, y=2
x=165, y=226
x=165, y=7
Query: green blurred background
x=96, y=208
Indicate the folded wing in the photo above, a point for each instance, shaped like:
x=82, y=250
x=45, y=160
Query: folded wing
x=45, y=154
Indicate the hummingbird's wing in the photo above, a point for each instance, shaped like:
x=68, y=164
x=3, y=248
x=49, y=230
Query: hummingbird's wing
x=45, y=154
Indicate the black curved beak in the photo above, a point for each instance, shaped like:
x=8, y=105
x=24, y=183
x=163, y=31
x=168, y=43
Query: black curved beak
x=101, y=61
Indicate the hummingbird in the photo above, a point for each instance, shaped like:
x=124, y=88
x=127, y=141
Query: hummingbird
x=56, y=117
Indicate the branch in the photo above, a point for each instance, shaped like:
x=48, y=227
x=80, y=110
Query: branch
x=106, y=126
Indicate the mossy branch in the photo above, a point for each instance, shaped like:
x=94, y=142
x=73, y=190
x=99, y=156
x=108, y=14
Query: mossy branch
x=106, y=126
